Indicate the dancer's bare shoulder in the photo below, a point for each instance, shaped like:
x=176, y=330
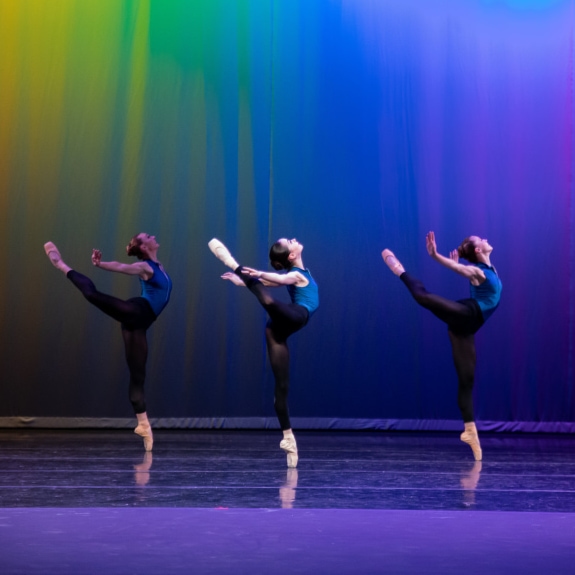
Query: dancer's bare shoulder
x=299, y=280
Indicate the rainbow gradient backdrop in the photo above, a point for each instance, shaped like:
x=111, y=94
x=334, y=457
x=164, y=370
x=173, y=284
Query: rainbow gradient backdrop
x=352, y=125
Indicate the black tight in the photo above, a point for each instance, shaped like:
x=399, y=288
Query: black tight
x=136, y=316
x=136, y=347
x=463, y=319
x=463, y=349
x=285, y=319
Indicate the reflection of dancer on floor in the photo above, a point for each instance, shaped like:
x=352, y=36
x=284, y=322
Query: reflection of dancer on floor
x=288, y=489
x=142, y=470
x=136, y=314
x=284, y=319
x=463, y=317
x=469, y=481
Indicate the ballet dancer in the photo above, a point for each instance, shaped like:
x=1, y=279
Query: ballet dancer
x=284, y=319
x=136, y=314
x=463, y=317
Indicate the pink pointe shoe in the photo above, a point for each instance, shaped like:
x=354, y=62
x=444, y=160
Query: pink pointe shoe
x=145, y=432
x=471, y=437
x=289, y=445
x=392, y=262
x=52, y=253
x=222, y=253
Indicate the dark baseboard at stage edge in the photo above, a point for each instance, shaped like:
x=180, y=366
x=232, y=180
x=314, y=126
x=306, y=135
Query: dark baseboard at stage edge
x=301, y=423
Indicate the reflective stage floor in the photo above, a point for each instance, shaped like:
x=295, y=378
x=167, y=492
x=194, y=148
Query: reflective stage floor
x=224, y=502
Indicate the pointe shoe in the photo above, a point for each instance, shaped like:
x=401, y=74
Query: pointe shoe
x=289, y=445
x=145, y=431
x=392, y=262
x=470, y=437
x=223, y=254
x=52, y=253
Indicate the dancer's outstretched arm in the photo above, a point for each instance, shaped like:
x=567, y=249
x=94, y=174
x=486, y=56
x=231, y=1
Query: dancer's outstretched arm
x=238, y=281
x=474, y=274
x=274, y=280
x=232, y=277
x=141, y=269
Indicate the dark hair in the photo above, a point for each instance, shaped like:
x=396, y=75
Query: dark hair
x=279, y=257
x=133, y=248
x=467, y=250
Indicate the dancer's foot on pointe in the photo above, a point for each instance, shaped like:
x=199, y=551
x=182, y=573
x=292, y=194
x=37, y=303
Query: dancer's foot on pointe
x=471, y=437
x=289, y=445
x=144, y=430
x=55, y=257
x=223, y=254
x=392, y=262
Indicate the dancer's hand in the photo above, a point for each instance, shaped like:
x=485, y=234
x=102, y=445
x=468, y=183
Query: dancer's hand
x=252, y=272
x=430, y=244
x=454, y=255
x=96, y=257
x=232, y=277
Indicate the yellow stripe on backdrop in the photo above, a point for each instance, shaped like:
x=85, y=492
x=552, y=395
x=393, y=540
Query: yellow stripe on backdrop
x=138, y=16
x=9, y=96
x=33, y=44
x=62, y=86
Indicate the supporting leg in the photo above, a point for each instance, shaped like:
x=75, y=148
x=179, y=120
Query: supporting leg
x=279, y=359
x=464, y=358
x=136, y=346
x=278, y=353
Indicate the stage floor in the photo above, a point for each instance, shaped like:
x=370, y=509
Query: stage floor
x=224, y=502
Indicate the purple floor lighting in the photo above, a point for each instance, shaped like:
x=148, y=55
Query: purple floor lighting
x=224, y=502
